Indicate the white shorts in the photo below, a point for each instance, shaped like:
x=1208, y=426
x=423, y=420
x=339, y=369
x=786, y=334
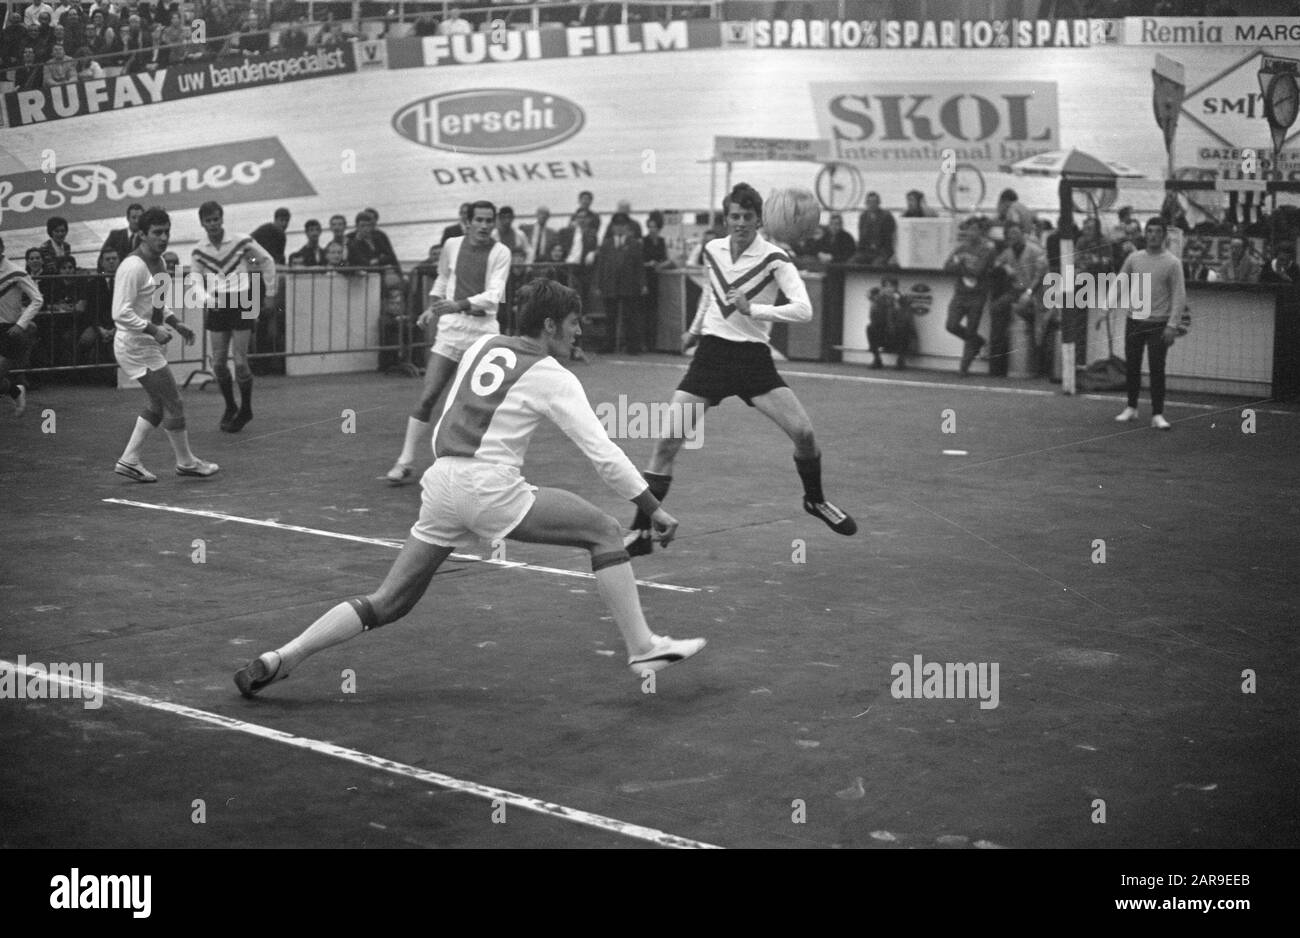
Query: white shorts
x=136, y=358
x=456, y=335
x=463, y=500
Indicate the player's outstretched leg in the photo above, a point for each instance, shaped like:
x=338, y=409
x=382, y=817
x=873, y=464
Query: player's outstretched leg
x=560, y=517
x=784, y=409
x=437, y=376
x=686, y=411
x=406, y=582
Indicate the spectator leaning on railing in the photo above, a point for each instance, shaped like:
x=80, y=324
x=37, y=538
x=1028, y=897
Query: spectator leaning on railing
x=1241, y=265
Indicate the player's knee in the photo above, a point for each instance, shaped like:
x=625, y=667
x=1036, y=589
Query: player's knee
x=608, y=533
x=804, y=440
x=152, y=415
x=242, y=371
x=173, y=422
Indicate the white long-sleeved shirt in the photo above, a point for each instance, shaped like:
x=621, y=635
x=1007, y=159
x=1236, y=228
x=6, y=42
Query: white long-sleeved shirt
x=496, y=274
x=760, y=272
x=224, y=269
x=503, y=390
x=134, y=289
x=15, y=283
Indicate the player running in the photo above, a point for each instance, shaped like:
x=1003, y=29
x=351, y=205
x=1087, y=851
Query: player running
x=745, y=272
x=502, y=390
x=17, y=325
x=472, y=274
x=144, y=325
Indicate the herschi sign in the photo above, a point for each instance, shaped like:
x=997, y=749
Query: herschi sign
x=489, y=121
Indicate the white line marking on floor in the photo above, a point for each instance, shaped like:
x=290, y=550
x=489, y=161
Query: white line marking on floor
x=598, y=821
x=384, y=542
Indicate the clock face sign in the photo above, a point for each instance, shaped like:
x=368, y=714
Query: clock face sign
x=1282, y=100
x=840, y=187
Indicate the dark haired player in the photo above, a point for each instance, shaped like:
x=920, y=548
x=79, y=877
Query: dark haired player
x=144, y=325
x=472, y=274
x=17, y=325
x=504, y=387
x=746, y=272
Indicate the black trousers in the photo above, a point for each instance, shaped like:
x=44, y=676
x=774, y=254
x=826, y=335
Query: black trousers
x=1146, y=335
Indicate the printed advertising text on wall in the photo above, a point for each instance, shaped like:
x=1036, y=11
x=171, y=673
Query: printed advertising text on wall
x=489, y=121
x=916, y=34
x=1231, y=107
x=1211, y=30
x=897, y=126
x=246, y=171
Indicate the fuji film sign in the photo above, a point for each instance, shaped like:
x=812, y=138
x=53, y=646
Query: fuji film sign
x=489, y=121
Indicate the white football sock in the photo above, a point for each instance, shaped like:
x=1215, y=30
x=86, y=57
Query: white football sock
x=415, y=429
x=180, y=440
x=337, y=625
x=132, y=452
x=617, y=586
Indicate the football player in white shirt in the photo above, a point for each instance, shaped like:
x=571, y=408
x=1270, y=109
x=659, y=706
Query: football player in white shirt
x=745, y=272
x=20, y=301
x=504, y=388
x=137, y=345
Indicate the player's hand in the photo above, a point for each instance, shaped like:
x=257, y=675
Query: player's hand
x=689, y=339
x=185, y=332
x=163, y=335
x=1169, y=335
x=665, y=526
x=740, y=301
x=442, y=308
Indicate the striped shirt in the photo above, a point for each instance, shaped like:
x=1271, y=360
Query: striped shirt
x=15, y=283
x=224, y=269
x=502, y=391
x=761, y=272
x=476, y=276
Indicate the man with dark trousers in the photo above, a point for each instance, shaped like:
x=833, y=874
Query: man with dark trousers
x=620, y=276
x=971, y=261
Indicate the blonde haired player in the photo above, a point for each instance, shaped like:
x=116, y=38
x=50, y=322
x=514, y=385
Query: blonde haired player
x=504, y=387
x=746, y=271
x=138, y=344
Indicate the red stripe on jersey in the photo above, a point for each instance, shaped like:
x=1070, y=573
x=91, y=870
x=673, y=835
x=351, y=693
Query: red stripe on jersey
x=500, y=362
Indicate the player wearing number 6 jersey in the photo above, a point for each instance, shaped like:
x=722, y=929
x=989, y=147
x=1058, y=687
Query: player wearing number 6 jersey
x=503, y=389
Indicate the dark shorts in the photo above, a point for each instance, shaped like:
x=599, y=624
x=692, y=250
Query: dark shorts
x=15, y=343
x=227, y=319
x=722, y=368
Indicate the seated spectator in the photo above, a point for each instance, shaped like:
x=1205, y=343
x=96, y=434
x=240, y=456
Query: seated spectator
x=138, y=42
x=837, y=245
x=293, y=39
x=916, y=207
x=1195, y=268
x=39, y=42
x=32, y=14
x=256, y=40
x=100, y=37
x=890, y=328
x=87, y=67
x=876, y=233
x=454, y=24
x=329, y=37
x=30, y=74
x=1241, y=265
x=12, y=39
x=56, y=247
x=59, y=70
x=1282, y=268
x=74, y=28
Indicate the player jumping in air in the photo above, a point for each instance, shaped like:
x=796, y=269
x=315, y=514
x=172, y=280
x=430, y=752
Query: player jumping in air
x=745, y=272
x=502, y=390
x=472, y=274
x=144, y=325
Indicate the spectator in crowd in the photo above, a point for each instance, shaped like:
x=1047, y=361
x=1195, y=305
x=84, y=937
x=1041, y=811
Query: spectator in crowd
x=329, y=36
x=60, y=10
x=40, y=39
x=56, y=247
x=654, y=254
x=74, y=29
x=255, y=39
x=110, y=9
x=1240, y=265
x=836, y=245
x=1195, y=269
x=454, y=25
x=146, y=14
x=336, y=255
x=1282, y=268
x=138, y=42
x=1172, y=213
x=458, y=230
x=29, y=75
x=87, y=67
x=876, y=233
x=634, y=227
x=35, y=262
x=620, y=276
x=505, y=233
x=95, y=329
x=339, y=231
x=32, y=15
x=540, y=238
x=1121, y=230
x=1132, y=241
x=1092, y=252
x=890, y=327
x=363, y=248
x=971, y=260
x=916, y=207
x=380, y=238
x=171, y=40
x=1011, y=211
x=12, y=39
x=271, y=235
x=310, y=254
x=585, y=199
x=125, y=240
x=293, y=38
x=1023, y=264
x=100, y=37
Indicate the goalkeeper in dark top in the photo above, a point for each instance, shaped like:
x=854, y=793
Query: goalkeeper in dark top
x=746, y=272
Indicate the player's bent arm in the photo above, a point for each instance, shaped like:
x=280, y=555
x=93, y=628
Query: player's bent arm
x=799, y=307
x=494, y=291
x=134, y=283
x=34, y=301
x=567, y=407
x=265, y=265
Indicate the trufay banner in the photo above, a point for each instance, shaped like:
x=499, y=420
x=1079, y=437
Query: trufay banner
x=243, y=171
x=911, y=125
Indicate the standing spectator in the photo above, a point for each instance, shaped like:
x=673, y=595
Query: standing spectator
x=1121, y=229
x=457, y=231
x=505, y=233
x=310, y=254
x=87, y=67
x=1011, y=211
x=584, y=205
x=382, y=242
x=654, y=254
x=339, y=231
x=270, y=325
x=1130, y=242
x=540, y=238
x=634, y=227
x=1023, y=265
x=454, y=24
x=1240, y=265
x=876, y=232
x=620, y=276
x=74, y=29
x=836, y=246
x=1153, y=327
x=125, y=240
x=971, y=261
x=1092, y=252
x=20, y=301
x=138, y=43
x=271, y=236
x=364, y=250
x=889, y=328
x=916, y=207
x=56, y=247
x=35, y=262
x=293, y=39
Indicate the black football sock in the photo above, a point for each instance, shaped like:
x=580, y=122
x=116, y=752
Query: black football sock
x=810, y=471
x=246, y=398
x=227, y=385
x=658, y=485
